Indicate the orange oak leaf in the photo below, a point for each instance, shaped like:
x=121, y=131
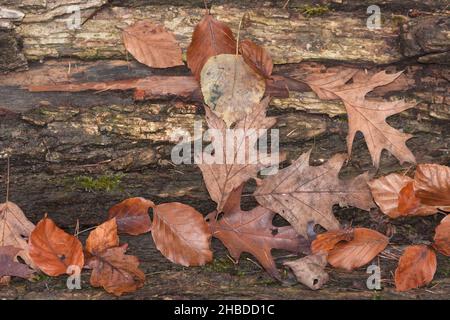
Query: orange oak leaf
x=303, y=194
x=253, y=232
x=367, y=116
x=112, y=269
x=395, y=197
x=152, y=45
x=230, y=171
x=15, y=229
x=210, y=38
x=53, y=251
x=442, y=237
x=416, y=268
x=432, y=184
x=365, y=246
x=326, y=241
x=10, y=267
x=132, y=215
x=257, y=57
x=181, y=234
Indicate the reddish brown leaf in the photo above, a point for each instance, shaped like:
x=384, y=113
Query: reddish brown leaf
x=303, y=194
x=326, y=241
x=181, y=234
x=103, y=237
x=53, y=251
x=15, y=229
x=253, y=232
x=324, y=83
x=152, y=45
x=257, y=57
x=8, y=265
x=365, y=246
x=407, y=200
x=132, y=215
x=442, y=237
x=432, y=184
x=210, y=38
x=416, y=268
x=310, y=271
x=115, y=271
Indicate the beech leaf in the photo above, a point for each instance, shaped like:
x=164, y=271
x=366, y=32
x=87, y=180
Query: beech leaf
x=304, y=194
x=181, y=234
x=132, y=216
x=326, y=241
x=442, y=236
x=103, y=237
x=432, y=184
x=416, y=268
x=10, y=267
x=256, y=57
x=310, y=271
x=231, y=87
x=53, y=251
x=152, y=45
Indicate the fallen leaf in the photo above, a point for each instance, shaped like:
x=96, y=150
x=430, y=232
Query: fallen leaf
x=132, y=216
x=8, y=265
x=210, y=38
x=222, y=178
x=416, y=268
x=115, y=271
x=302, y=193
x=367, y=116
x=103, y=237
x=253, y=232
x=53, y=251
x=432, y=184
x=310, y=271
x=152, y=45
x=256, y=57
x=15, y=229
x=326, y=241
x=323, y=83
x=442, y=237
x=181, y=234
x=386, y=192
x=365, y=246
x=231, y=87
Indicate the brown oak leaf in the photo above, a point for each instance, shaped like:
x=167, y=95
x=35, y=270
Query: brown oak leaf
x=365, y=245
x=256, y=57
x=223, y=177
x=10, y=267
x=181, y=234
x=152, y=45
x=442, y=237
x=303, y=194
x=416, y=268
x=15, y=229
x=310, y=270
x=326, y=241
x=253, y=232
x=132, y=215
x=53, y=251
x=112, y=269
x=432, y=184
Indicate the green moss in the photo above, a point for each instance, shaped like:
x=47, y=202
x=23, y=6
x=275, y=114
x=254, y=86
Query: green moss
x=106, y=183
x=398, y=20
x=316, y=10
x=223, y=265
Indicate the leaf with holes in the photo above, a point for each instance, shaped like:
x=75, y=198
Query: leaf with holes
x=152, y=45
x=304, y=194
x=53, y=251
x=310, y=270
x=132, y=216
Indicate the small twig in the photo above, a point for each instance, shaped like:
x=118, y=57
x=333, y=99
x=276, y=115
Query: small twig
x=256, y=264
x=82, y=231
x=7, y=177
x=238, y=35
x=77, y=228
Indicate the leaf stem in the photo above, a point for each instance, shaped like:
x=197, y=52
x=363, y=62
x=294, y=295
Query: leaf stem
x=7, y=178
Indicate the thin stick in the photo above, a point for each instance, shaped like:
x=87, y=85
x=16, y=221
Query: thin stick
x=208, y=10
x=238, y=34
x=7, y=178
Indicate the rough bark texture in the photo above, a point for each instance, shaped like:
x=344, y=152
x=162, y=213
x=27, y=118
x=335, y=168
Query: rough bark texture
x=74, y=155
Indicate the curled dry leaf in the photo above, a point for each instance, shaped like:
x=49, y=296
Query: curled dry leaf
x=365, y=246
x=326, y=241
x=432, y=184
x=442, y=237
x=416, y=268
x=53, y=251
x=181, y=234
x=253, y=232
x=310, y=271
x=302, y=193
x=112, y=269
x=389, y=192
x=15, y=229
x=222, y=177
x=231, y=87
x=10, y=267
x=210, y=38
x=152, y=45
x=132, y=216
x=256, y=57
